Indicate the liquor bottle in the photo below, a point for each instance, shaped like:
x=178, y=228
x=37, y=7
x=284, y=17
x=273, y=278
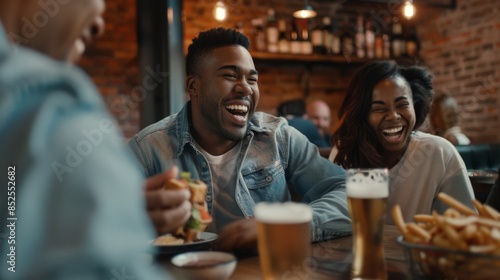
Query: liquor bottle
x=359, y=39
x=336, y=47
x=412, y=43
x=370, y=40
x=259, y=37
x=305, y=40
x=272, y=32
x=386, y=43
x=283, y=43
x=327, y=35
x=317, y=39
x=379, y=44
x=397, y=41
x=295, y=46
x=347, y=40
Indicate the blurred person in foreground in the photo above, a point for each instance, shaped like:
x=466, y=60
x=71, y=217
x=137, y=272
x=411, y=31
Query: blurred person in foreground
x=445, y=120
x=75, y=192
x=244, y=156
x=384, y=105
x=319, y=113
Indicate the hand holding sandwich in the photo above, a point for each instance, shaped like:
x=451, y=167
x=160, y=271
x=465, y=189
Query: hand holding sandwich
x=200, y=216
x=167, y=209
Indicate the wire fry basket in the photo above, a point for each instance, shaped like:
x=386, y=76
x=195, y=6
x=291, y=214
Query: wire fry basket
x=430, y=262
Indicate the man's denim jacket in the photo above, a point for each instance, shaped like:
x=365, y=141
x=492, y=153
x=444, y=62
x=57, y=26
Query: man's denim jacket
x=274, y=157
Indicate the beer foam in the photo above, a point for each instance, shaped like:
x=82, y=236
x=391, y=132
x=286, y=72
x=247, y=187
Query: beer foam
x=367, y=183
x=279, y=213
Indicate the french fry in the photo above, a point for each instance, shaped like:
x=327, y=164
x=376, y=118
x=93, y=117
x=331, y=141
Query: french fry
x=479, y=207
x=487, y=232
x=478, y=238
x=468, y=231
x=452, y=213
x=441, y=241
x=495, y=234
x=397, y=215
x=491, y=212
x=418, y=231
x=455, y=204
x=481, y=249
x=423, y=218
x=454, y=237
x=489, y=222
x=461, y=222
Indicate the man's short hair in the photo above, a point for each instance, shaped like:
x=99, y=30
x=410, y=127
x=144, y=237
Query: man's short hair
x=209, y=40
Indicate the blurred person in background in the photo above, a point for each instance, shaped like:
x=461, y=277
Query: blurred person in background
x=384, y=106
x=445, y=120
x=319, y=113
x=76, y=196
x=294, y=111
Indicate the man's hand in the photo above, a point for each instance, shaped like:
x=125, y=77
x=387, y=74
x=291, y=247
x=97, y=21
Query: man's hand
x=240, y=235
x=167, y=209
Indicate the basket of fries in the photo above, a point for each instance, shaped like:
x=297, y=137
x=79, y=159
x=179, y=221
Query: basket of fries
x=462, y=243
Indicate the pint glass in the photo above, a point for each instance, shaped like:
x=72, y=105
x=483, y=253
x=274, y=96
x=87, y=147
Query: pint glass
x=283, y=236
x=367, y=192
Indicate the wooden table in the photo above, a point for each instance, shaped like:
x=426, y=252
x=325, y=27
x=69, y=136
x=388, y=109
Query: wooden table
x=332, y=259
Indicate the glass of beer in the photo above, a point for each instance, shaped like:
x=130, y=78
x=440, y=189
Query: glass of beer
x=284, y=237
x=367, y=192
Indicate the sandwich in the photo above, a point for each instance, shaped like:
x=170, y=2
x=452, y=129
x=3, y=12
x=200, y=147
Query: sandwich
x=200, y=217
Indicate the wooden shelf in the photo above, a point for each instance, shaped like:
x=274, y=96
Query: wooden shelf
x=303, y=58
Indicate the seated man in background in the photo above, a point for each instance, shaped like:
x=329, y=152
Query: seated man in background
x=445, y=120
x=244, y=156
x=319, y=113
x=294, y=112
x=76, y=205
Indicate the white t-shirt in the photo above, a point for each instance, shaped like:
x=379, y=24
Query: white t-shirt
x=223, y=169
x=430, y=165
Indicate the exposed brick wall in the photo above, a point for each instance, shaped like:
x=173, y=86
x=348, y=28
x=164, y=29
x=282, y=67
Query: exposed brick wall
x=462, y=49
x=459, y=46
x=111, y=61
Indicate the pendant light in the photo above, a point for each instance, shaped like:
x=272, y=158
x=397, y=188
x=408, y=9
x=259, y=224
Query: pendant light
x=220, y=11
x=306, y=12
x=409, y=9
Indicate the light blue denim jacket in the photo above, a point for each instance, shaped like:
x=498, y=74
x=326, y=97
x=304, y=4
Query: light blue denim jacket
x=273, y=156
x=88, y=222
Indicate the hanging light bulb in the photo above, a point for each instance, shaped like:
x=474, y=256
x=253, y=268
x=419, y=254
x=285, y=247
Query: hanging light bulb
x=409, y=9
x=220, y=11
x=306, y=12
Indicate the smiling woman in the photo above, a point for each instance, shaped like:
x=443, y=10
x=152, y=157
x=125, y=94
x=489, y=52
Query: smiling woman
x=392, y=117
x=382, y=96
x=385, y=104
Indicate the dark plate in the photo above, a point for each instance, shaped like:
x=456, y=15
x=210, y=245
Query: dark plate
x=204, y=244
x=482, y=176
